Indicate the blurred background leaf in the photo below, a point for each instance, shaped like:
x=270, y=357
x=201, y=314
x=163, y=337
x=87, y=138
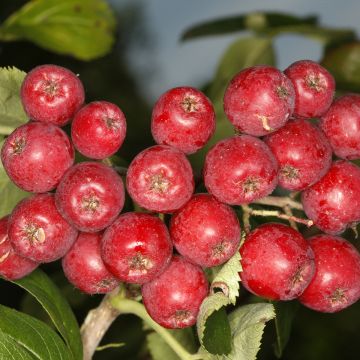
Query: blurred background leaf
x=258, y=21
x=244, y=52
x=80, y=28
x=12, y=113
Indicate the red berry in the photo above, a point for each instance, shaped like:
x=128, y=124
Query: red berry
x=84, y=267
x=277, y=262
x=303, y=152
x=184, y=118
x=136, y=247
x=12, y=265
x=90, y=196
x=37, y=231
x=314, y=88
x=98, y=129
x=160, y=179
x=173, y=299
x=52, y=94
x=205, y=231
x=240, y=170
x=36, y=155
x=341, y=125
x=336, y=283
x=259, y=100
x=333, y=203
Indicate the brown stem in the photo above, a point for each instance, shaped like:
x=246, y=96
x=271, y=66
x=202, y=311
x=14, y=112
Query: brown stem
x=246, y=218
x=280, y=215
x=279, y=201
x=96, y=323
x=288, y=212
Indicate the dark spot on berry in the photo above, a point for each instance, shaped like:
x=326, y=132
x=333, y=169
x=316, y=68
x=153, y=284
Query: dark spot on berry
x=90, y=203
x=35, y=234
x=189, y=104
x=250, y=185
x=18, y=146
x=289, y=172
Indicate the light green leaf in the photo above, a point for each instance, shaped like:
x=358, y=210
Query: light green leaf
x=247, y=326
x=218, y=324
x=12, y=113
x=10, y=194
x=160, y=350
x=227, y=278
x=45, y=291
x=285, y=314
x=241, y=54
x=80, y=28
x=252, y=21
x=12, y=350
x=33, y=335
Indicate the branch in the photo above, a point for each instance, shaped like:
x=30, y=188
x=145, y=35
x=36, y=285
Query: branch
x=280, y=215
x=127, y=306
x=279, y=201
x=95, y=325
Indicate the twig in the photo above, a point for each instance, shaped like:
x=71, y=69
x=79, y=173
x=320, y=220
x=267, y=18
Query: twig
x=279, y=201
x=288, y=212
x=127, y=306
x=246, y=218
x=280, y=215
x=96, y=323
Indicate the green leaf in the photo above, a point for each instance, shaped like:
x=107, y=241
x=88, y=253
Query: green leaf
x=212, y=323
x=241, y=54
x=218, y=324
x=12, y=113
x=217, y=334
x=252, y=21
x=227, y=278
x=33, y=335
x=247, y=326
x=11, y=350
x=10, y=194
x=323, y=34
x=44, y=290
x=344, y=64
x=160, y=350
x=80, y=28
x=285, y=313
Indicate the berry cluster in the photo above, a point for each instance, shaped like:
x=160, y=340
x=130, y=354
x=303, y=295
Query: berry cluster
x=74, y=213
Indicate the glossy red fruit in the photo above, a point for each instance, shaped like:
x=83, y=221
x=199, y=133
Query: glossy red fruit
x=160, y=179
x=314, y=88
x=341, y=125
x=90, y=196
x=173, y=299
x=303, y=153
x=12, y=265
x=36, y=156
x=38, y=232
x=136, y=247
x=240, y=169
x=84, y=267
x=205, y=231
x=259, y=100
x=184, y=118
x=98, y=129
x=52, y=94
x=277, y=262
x=336, y=283
x=333, y=203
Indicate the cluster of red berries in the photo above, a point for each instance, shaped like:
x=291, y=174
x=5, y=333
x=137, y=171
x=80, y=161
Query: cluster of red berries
x=80, y=221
